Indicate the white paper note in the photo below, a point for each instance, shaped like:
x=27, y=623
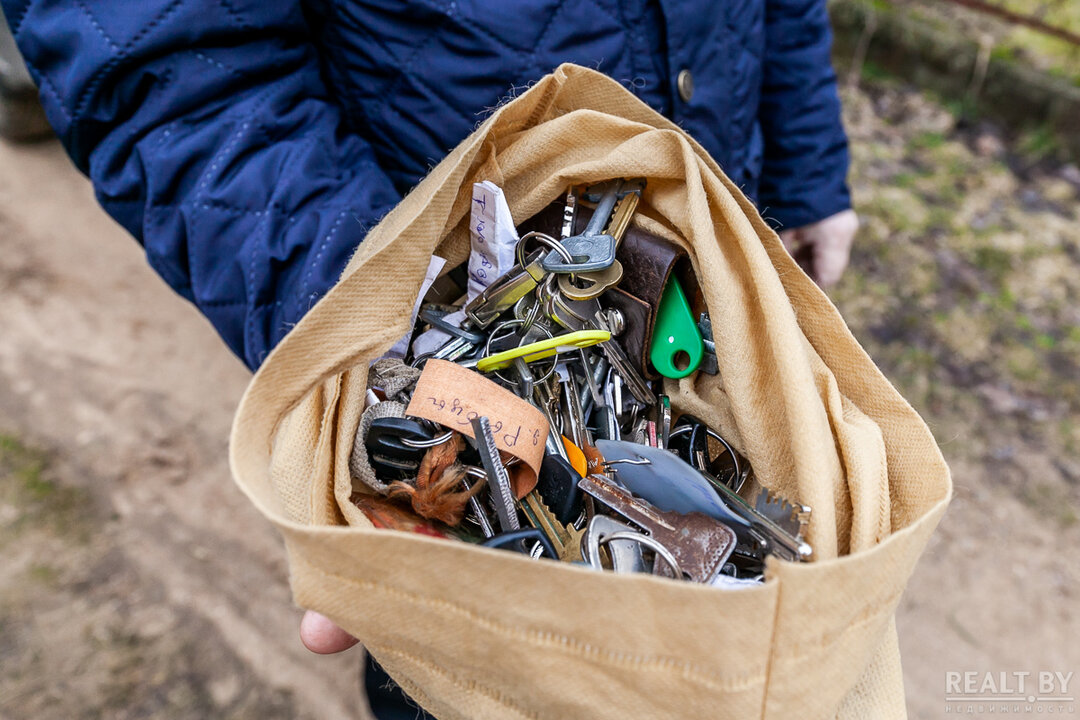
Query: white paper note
x=493, y=239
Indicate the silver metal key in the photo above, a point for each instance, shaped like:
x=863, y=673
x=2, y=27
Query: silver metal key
x=498, y=478
x=584, y=285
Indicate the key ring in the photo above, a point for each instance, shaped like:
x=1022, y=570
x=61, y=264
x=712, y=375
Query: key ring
x=544, y=239
x=516, y=323
x=529, y=317
x=677, y=432
x=422, y=444
x=653, y=544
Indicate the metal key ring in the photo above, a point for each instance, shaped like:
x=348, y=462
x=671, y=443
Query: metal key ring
x=545, y=240
x=475, y=473
x=528, y=318
x=714, y=435
x=421, y=444
x=420, y=360
x=652, y=543
x=516, y=323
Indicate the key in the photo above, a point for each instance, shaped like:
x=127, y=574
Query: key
x=570, y=314
x=709, y=364
x=777, y=540
x=497, y=477
x=664, y=412
x=583, y=286
x=435, y=318
x=599, y=370
x=575, y=418
x=455, y=349
x=547, y=402
x=606, y=415
x=699, y=544
x=474, y=502
x=569, y=214
x=792, y=518
x=526, y=381
x=593, y=249
x=636, y=384
x=564, y=538
x=592, y=284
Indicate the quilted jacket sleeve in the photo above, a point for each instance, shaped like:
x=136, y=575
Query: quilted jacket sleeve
x=804, y=178
x=208, y=133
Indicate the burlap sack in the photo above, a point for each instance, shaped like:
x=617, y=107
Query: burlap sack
x=474, y=634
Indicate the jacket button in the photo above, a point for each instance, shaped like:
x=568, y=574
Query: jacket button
x=685, y=83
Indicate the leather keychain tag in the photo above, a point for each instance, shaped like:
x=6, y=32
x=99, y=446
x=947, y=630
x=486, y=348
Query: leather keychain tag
x=454, y=396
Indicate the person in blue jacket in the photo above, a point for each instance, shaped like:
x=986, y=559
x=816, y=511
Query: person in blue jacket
x=250, y=145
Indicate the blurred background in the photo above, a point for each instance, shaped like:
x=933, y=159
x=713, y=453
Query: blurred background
x=137, y=582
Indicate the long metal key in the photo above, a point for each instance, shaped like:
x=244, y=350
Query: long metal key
x=700, y=544
x=586, y=285
x=498, y=478
x=593, y=249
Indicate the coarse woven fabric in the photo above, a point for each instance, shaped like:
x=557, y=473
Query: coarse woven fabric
x=475, y=634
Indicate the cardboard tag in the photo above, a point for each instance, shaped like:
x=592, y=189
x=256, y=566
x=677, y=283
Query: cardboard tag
x=453, y=396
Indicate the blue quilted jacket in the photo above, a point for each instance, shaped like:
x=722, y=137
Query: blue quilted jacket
x=251, y=144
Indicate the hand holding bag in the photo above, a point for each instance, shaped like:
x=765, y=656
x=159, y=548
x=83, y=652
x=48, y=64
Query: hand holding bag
x=475, y=634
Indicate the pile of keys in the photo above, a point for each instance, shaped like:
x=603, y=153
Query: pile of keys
x=615, y=483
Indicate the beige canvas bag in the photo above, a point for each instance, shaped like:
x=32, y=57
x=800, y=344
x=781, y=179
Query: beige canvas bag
x=475, y=634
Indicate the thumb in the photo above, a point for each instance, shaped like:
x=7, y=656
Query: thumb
x=320, y=635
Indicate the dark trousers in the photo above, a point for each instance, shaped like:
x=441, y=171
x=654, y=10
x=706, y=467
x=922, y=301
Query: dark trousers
x=388, y=701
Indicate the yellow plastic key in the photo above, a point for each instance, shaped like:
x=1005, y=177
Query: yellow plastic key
x=543, y=349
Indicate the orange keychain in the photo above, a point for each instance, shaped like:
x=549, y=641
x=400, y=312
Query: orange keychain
x=575, y=456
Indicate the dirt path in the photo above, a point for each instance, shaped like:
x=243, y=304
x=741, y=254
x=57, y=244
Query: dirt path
x=163, y=593
x=138, y=582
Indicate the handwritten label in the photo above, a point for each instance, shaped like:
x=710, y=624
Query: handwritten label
x=494, y=237
x=453, y=396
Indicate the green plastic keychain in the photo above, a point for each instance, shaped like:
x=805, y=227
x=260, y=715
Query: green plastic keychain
x=677, y=348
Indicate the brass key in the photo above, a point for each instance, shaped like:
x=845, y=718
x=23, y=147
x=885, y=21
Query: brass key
x=698, y=543
x=565, y=539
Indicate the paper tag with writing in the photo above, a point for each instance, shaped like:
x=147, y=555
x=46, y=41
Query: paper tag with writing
x=493, y=239
x=453, y=396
